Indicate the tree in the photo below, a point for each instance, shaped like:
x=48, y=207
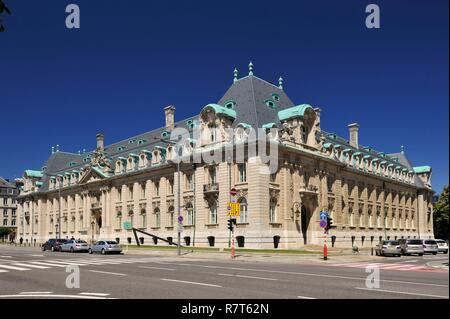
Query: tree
x=3, y=8
x=4, y=231
x=440, y=216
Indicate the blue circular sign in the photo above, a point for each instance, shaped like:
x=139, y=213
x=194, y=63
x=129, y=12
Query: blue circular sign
x=323, y=223
x=180, y=219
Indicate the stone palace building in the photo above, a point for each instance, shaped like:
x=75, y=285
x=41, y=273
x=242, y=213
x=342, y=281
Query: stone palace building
x=370, y=195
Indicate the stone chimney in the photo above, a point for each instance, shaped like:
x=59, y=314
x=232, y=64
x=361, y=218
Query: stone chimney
x=100, y=141
x=353, y=132
x=170, y=117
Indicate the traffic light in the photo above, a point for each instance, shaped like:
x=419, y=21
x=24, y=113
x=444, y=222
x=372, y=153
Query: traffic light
x=329, y=223
x=231, y=222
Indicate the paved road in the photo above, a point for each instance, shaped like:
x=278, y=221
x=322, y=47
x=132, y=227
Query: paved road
x=30, y=273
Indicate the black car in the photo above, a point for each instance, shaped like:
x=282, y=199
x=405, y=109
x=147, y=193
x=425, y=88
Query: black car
x=53, y=244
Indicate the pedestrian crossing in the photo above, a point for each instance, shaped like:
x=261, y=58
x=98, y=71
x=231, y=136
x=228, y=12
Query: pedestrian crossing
x=62, y=263
x=401, y=266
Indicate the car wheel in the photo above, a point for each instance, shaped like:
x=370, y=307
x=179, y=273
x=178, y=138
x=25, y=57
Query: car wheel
x=421, y=255
x=103, y=251
x=434, y=253
x=90, y=251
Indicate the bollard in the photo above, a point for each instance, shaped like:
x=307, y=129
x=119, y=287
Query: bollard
x=371, y=251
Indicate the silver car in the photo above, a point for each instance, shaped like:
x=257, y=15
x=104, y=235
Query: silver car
x=442, y=246
x=75, y=245
x=388, y=247
x=430, y=246
x=411, y=246
x=105, y=246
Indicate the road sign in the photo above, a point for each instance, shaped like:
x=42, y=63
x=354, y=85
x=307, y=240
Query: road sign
x=233, y=192
x=180, y=228
x=127, y=225
x=323, y=216
x=323, y=223
x=180, y=219
x=234, y=209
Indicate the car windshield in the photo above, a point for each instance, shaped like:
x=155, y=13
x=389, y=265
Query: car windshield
x=390, y=242
x=414, y=242
x=112, y=242
x=430, y=242
x=80, y=241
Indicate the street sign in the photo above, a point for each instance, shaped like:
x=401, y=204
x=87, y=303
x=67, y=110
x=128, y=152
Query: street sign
x=127, y=225
x=180, y=219
x=323, y=223
x=180, y=228
x=233, y=209
x=233, y=192
x=323, y=216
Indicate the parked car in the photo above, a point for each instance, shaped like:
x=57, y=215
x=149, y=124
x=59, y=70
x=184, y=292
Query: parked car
x=411, y=246
x=105, y=246
x=75, y=245
x=442, y=246
x=430, y=246
x=53, y=244
x=388, y=247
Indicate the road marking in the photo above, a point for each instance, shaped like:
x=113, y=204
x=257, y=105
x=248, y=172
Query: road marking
x=13, y=268
x=93, y=294
x=192, y=282
x=32, y=266
x=35, y=292
x=107, y=272
x=1, y=270
x=148, y=267
x=243, y=276
x=65, y=263
x=401, y=292
x=5, y=256
x=36, y=255
x=303, y=297
x=321, y=275
x=47, y=264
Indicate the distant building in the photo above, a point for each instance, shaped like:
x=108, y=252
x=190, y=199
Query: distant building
x=369, y=194
x=9, y=190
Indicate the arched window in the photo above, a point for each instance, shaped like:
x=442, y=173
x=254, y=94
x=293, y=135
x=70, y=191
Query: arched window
x=304, y=132
x=131, y=217
x=157, y=214
x=144, y=218
x=189, y=214
x=171, y=211
x=244, y=210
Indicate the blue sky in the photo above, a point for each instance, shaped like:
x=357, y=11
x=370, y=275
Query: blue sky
x=132, y=58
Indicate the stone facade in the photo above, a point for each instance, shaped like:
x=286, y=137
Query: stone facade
x=8, y=205
x=369, y=194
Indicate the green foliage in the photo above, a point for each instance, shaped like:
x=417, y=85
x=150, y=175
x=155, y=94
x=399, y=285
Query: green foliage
x=440, y=216
x=5, y=231
x=3, y=8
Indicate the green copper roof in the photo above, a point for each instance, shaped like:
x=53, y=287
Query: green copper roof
x=39, y=184
x=357, y=153
x=244, y=125
x=31, y=173
x=422, y=169
x=294, y=111
x=375, y=160
x=99, y=171
x=219, y=109
x=347, y=150
x=269, y=125
x=327, y=145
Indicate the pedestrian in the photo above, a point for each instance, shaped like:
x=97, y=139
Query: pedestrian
x=73, y=238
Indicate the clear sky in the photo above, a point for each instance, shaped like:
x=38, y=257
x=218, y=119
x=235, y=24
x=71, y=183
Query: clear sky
x=132, y=58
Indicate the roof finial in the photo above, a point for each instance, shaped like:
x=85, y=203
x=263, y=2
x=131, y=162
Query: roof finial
x=53, y=149
x=84, y=150
x=57, y=147
x=250, y=68
x=79, y=152
x=402, y=149
x=280, y=83
x=235, y=75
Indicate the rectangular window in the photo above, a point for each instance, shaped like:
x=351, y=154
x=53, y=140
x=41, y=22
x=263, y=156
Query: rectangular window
x=144, y=220
x=213, y=215
x=212, y=175
x=5, y=201
x=190, y=181
x=157, y=189
x=5, y=212
x=158, y=219
x=130, y=192
x=242, y=173
x=142, y=190
x=273, y=213
x=119, y=195
x=170, y=186
x=13, y=222
x=5, y=222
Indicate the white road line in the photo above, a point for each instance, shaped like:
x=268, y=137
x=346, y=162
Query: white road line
x=192, y=282
x=5, y=256
x=29, y=265
x=303, y=297
x=35, y=292
x=160, y=268
x=64, y=263
x=1, y=270
x=251, y=277
x=36, y=255
x=47, y=264
x=109, y=273
x=401, y=292
x=94, y=294
x=13, y=268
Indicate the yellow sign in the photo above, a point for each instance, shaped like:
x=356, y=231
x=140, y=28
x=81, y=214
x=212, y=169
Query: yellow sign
x=233, y=209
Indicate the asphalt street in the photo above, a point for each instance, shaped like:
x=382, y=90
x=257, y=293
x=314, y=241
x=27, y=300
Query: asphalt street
x=31, y=273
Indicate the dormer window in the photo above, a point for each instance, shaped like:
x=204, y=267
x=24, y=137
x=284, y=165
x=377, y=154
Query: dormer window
x=230, y=104
x=141, y=141
x=131, y=141
x=121, y=148
x=275, y=97
x=165, y=135
x=270, y=104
